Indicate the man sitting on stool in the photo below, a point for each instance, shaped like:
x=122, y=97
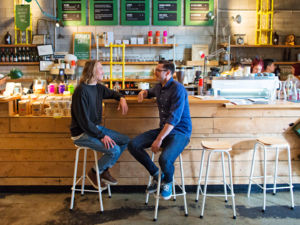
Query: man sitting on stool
x=174, y=132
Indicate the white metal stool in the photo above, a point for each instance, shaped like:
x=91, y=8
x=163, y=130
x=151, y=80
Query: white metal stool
x=215, y=147
x=156, y=195
x=75, y=181
x=269, y=143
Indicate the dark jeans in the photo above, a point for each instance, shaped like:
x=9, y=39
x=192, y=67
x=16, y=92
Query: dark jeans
x=172, y=146
x=110, y=156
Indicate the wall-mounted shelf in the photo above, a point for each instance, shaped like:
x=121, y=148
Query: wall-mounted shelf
x=261, y=46
x=130, y=80
x=82, y=62
x=18, y=45
x=144, y=45
x=19, y=63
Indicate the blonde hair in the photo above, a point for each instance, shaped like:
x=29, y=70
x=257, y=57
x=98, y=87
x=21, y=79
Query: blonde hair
x=88, y=71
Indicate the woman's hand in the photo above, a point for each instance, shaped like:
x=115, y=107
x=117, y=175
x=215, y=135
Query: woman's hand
x=108, y=142
x=123, y=105
x=142, y=94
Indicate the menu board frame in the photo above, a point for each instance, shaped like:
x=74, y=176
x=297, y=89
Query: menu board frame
x=62, y=13
x=93, y=21
x=202, y=12
x=82, y=45
x=22, y=16
x=156, y=12
x=125, y=13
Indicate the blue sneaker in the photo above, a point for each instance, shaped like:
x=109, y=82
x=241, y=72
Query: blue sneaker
x=166, y=192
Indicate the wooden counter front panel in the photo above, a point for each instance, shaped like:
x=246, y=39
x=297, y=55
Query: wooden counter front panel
x=39, y=151
x=39, y=125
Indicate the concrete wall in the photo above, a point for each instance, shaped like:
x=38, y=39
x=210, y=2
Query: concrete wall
x=286, y=21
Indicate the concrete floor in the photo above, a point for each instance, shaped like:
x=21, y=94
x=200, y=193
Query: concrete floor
x=53, y=209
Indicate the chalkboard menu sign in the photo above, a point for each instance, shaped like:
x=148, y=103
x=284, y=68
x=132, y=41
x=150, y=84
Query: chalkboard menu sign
x=167, y=12
x=22, y=17
x=72, y=12
x=135, y=12
x=104, y=12
x=82, y=45
x=196, y=12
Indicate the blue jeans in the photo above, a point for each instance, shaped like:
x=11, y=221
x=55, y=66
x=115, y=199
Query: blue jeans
x=110, y=156
x=172, y=146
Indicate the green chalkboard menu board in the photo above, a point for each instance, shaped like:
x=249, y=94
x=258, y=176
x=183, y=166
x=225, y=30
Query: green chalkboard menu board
x=135, y=12
x=22, y=17
x=167, y=12
x=196, y=12
x=72, y=12
x=104, y=12
x=82, y=45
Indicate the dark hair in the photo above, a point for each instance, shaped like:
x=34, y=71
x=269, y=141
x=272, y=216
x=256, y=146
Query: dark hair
x=167, y=65
x=268, y=62
x=88, y=71
x=256, y=62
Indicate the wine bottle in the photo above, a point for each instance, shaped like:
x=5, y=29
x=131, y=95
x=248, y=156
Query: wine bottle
x=3, y=55
x=6, y=55
x=15, y=55
x=19, y=55
x=275, y=39
x=27, y=54
x=23, y=55
x=7, y=38
x=11, y=55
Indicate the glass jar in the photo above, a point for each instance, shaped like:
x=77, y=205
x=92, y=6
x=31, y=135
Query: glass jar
x=180, y=73
x=190, y=74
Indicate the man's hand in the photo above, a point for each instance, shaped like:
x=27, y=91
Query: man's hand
x=142, y=94
x=156, y=145
x=108, y=142
x=123, y=105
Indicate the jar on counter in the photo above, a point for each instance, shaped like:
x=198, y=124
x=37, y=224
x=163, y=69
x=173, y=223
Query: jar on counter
x=190, y=74
x=180, y=70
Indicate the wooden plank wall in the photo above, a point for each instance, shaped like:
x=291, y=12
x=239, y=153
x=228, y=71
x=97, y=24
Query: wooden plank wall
x=39, y=151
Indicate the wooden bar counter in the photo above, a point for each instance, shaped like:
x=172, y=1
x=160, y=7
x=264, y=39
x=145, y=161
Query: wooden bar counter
x=39, y=151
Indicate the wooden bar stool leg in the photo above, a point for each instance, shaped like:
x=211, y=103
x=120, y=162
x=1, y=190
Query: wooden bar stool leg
x=290, y=176
x=231, y=185
x=74, y=178
x=98, y=181
x=149, y=182
x=205, y=184
x=83, y=171
x=157, y=195
x=265, y=178
x=200, y=176
x=224, y=178
x=183, y=186
x=275, y=171
x=252, y=169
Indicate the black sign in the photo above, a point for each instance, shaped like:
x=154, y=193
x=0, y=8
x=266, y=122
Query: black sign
x=199, y=6
x=71, y=16
x=135, y=16
x=135, y=6
x=167, y=7
x=104, y=11
x=167, y=16
x=71, y=7
x=198, y=17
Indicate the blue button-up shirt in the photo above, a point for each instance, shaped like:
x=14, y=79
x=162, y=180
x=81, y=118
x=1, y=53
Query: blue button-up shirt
x=173, y=106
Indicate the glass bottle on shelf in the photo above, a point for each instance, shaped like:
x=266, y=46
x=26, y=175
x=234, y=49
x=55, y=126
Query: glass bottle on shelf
x=6, y=55
x=19, y=55
x=3, y=55
x=27, y=54
x=7, y=38
x=15, y=55
x=23, y=55
x=11, y=55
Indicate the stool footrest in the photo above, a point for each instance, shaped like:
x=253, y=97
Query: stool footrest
x=219, y=195
x=85, y=190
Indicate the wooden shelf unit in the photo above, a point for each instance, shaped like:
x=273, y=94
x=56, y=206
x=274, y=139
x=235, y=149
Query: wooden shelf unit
x=18, y=45
x=144, y=45
x=261, y=46
x=19, y=63
x=130, y=80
